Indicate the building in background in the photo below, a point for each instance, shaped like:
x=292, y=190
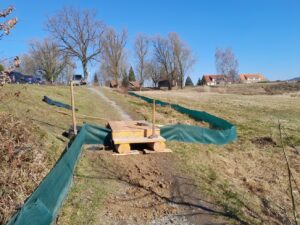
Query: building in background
x=212, y=80
x=251, y=78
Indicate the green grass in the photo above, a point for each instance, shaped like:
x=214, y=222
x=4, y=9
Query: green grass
x=85, y=200
x=238, y=176
x=25, y=103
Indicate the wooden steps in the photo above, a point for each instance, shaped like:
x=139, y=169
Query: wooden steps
x=127, y=133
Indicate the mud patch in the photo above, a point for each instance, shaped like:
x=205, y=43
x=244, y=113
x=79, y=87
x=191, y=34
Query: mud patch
x=263, y=141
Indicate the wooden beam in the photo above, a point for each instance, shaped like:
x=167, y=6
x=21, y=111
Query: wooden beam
x=153, y=119
x=73, y=108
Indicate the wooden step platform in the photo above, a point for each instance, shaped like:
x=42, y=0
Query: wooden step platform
x=126, y=133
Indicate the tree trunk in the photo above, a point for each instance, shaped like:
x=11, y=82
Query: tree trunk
x=85, y=72
x=170, y=85
x=181, y=81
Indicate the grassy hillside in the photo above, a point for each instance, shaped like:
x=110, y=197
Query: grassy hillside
x=248, y=177
x=31, y=136
x=246, y=180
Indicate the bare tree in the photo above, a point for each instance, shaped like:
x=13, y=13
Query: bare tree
x=7, y=25
x=227, y=64
x=183, y=58
x=66, y=75
x=28, y=65
x=113, y=55
x=48, y=59
x=78, y=34
x=163, y=54
x=154, y=71
x=141, y=47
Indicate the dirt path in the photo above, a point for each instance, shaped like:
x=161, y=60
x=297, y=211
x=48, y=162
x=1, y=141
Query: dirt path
x=151, y=191
x=123, y=114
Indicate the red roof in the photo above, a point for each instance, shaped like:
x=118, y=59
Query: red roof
x=247, y=76
x=135, y=84
x=209, y=78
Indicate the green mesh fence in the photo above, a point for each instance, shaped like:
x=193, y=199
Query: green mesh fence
x=220, y=131
x=42, y=206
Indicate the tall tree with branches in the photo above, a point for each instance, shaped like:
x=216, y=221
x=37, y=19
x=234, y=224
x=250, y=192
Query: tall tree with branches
x=227, y=64
x=182, y=57
x=163, y=54
x=78, y=34
x=141, y=48
x=7, y=24
x=48, y=59
x=154, y=71
x=113, y=55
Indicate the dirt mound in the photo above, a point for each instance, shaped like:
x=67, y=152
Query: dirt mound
x=22, y=164
x=263, y=141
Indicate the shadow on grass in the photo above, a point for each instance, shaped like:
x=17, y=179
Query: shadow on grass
x=182, y=192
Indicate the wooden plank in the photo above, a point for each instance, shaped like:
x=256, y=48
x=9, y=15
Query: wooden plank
x=141, y=127
x=132, y=152
x=138, y=140
x=147, y=151
x=73, y=108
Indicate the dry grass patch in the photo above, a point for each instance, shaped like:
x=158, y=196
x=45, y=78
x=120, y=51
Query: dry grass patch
x=23, y=163
x=248, y=177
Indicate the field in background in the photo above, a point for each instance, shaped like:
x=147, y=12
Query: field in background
x=246, y=180
x=248, y=177
x=265, y=88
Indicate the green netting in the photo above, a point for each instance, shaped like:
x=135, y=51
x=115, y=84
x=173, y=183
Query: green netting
x=43, y=205
x=220, y=131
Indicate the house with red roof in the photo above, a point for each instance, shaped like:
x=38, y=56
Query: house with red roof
x=251, y=78
x=212, y=80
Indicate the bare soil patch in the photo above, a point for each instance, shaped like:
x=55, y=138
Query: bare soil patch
x=152, y=191
x=263, y=141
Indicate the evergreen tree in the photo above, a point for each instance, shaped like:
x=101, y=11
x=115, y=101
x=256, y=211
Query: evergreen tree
x=131, y=75
x=189, y=82
x=199, y=82
x=125, y=78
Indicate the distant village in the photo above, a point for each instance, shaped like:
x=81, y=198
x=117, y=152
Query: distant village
x=206, y=80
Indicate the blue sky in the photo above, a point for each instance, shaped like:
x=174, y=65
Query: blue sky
x=264, y=34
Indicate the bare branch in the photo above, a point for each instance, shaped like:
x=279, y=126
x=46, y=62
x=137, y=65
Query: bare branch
x=113, y=55
x=141, y=47
x=78, y=34
x=227, y=64
x=182, y=56
x=47, y=58
x=7, y=25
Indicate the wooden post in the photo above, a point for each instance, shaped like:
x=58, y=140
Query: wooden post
x=73, y=108
x=153, y=118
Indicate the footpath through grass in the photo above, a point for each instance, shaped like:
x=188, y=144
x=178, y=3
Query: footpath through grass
x=248, y=177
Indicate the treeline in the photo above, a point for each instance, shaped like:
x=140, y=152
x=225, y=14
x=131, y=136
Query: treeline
x=77, y=36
